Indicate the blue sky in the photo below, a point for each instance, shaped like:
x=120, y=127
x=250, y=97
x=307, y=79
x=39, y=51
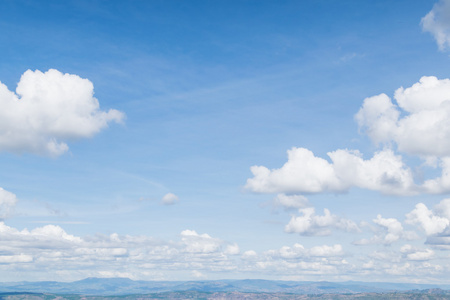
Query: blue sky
x=150, y=140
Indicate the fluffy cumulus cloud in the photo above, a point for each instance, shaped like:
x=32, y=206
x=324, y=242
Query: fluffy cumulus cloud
x=311, y=224
x=437, y=22
x=418, y=119
x=48, y=109
x=431, y=221
x=7, y=202
x=306, y=173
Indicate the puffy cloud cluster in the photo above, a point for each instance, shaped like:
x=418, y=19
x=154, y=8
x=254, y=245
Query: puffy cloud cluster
x=48, y=109
x=405, y=265
x=393, y=226
x=418, y=123
x=437, y=22
x=306, y=173
x=391, y=231
x=297, y=260
x=310, y=224
x=51, y=248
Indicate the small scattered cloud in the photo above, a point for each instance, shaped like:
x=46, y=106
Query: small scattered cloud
x=437, y=22
x=412, y=253
x=169, y=199
x=199, y=243
x=7, y=203
x=388, y=231
x=197, y=274
x=310, y=224
x=232, y=249
x=432, y=222
x=298, y=251
x=290, y=201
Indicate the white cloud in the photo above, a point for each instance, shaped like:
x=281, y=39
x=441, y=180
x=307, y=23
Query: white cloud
x=298, y=251
x=17, y=258
x=439, y=185
x=430, y=221
x=169, y=199
x=249, y=254
x=115, y=274
x=393, y=226
x=416, y=254
x=232, y=249
x=384, y=172
x=437, y=22
x=199, y=243
x=30, y=254
x=198, y=274
x=443, y=208
x=419, y=119
x=427, y=254
x=326, y=251
x=49, y=109
x=50, y=249
x=7, y=202
x=291, y=201
x=306, y=173
x=296, y=260
x=391, y=231
x=303, y=172
x=308, y=223
x=378, y=116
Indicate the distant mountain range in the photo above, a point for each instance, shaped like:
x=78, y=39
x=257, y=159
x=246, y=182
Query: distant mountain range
x=124, y=286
